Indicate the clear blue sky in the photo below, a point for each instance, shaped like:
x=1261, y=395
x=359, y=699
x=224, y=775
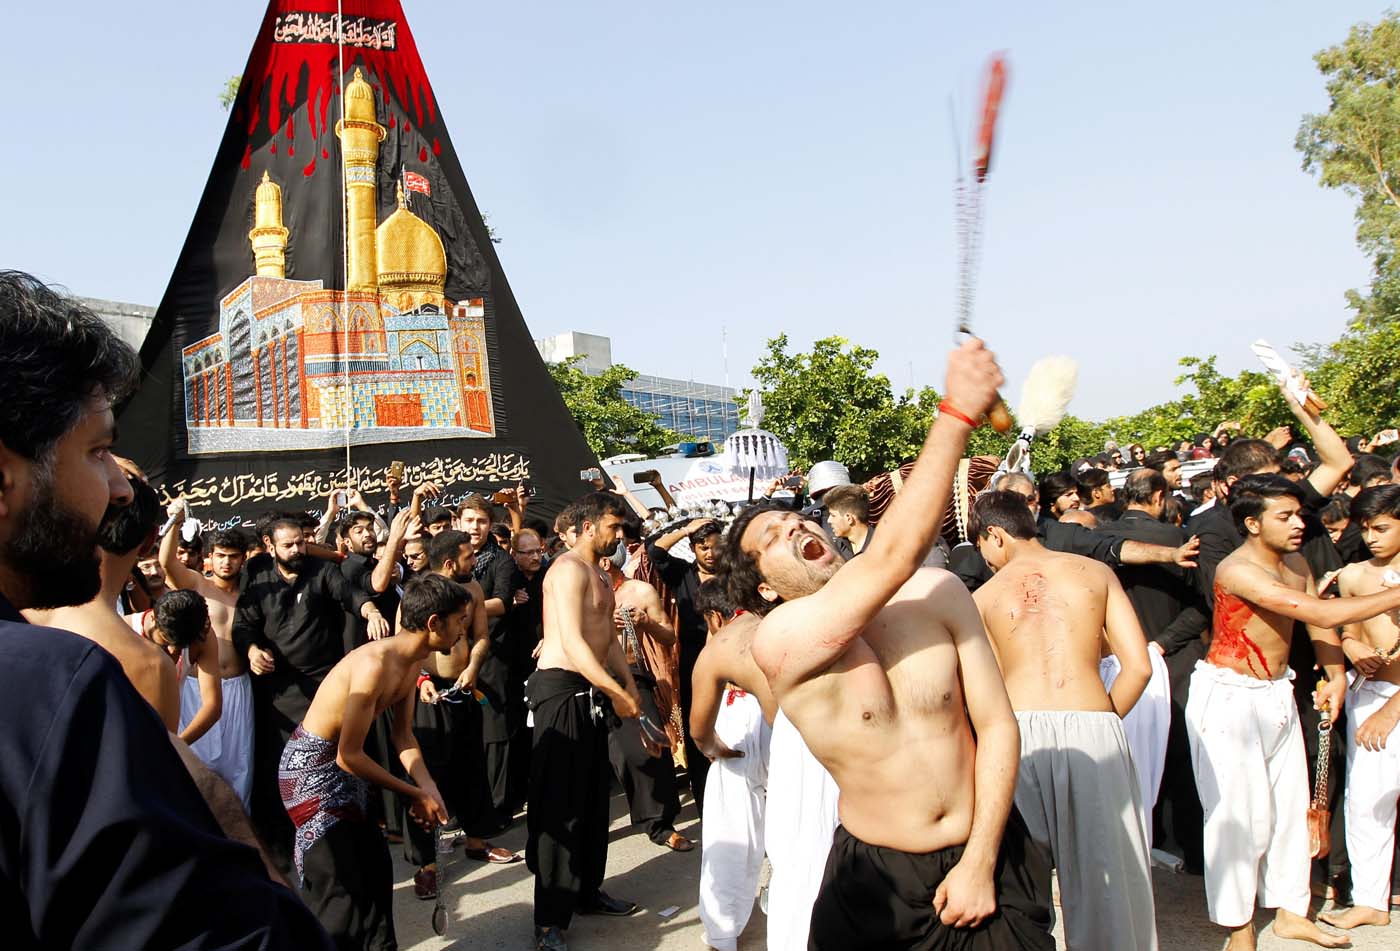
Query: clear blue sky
x=660, y=171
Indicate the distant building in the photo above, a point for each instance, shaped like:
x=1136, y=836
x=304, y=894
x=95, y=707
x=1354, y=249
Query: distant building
x=691, y=409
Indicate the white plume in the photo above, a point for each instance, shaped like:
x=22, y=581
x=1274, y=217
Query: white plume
x=1046, y=394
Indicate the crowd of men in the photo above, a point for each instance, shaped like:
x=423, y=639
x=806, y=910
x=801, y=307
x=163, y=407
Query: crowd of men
x=1114, y=669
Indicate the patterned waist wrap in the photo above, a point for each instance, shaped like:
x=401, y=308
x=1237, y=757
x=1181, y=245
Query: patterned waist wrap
x=316, y=792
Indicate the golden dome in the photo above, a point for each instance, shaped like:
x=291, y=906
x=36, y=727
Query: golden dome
x=411, y=255
x=359, y=99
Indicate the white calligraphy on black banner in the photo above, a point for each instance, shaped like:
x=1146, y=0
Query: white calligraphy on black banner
x=329, y=28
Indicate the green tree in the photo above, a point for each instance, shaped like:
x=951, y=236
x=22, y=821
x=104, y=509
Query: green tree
x=230, y=92
x=1249, y=398
x=608, y=422
x=1355, y=146
x=830, y=404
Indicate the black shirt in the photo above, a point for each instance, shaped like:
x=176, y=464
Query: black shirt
x=104, y=840
x=683, y=579
x=1165, y=597
x=1106, y=546
x=359, y=571
x=301, y=622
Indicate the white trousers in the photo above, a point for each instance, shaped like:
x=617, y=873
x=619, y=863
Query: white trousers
x=1373, y=785
x=799, y=824
x=227, y=746
x=1146, y=727
x=731, y=840
x=1252, y=774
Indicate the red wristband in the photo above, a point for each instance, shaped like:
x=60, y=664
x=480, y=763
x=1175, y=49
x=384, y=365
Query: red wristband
x=422, y=679
x=953, y=411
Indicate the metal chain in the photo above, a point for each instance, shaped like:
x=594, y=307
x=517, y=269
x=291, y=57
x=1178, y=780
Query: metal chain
x=1324, y=760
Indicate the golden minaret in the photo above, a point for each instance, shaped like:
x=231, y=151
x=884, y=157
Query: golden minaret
x=268, y=237
x=360, y=135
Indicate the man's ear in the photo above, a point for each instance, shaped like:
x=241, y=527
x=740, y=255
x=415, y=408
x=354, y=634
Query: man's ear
x=767, y=593
x=1252, y=525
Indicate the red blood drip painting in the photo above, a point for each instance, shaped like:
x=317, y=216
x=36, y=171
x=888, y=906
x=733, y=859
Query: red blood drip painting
x=1231, y=643
x=278, y=70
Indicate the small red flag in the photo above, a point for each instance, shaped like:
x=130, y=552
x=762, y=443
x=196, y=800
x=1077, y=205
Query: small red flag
x=416, y=183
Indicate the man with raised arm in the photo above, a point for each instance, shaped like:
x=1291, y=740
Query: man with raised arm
x=1246, y=743
x=342, y=860
x=581, y=681
x=1047, y=615
x=227, y=748
x=885, y=670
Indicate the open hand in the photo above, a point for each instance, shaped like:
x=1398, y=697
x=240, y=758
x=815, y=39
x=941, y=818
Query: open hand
x=1185, y=556
x=377, y=627
x=966, y=897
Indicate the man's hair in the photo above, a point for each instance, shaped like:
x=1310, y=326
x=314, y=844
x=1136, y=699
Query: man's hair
x=350, y=521
x=712, y=528
x=595, y=505
x=1173, y=512
x=262, y=528
x=1245, y=457
x=434, y=514
x=515, y=541
x=713, y=597
x=477, y=503
x=632, y=528
x=195, y=544
x=1337, y=509
x=1377, y=500
x=269, y=529
x=1199, y=483
x=126, y=528
x=427, y=594
x=183, y=617
x=850, y=500
x=566, y=519
x=1053, y=486
x=445, y=545
x=1369, y=466
x=741, y=568
x=1089, y=480
x=1015, y=477
x=502, y=533
x=1158, y=459
x=1252, y=493
x=1142, y=484
x=229, y=538
x=55, y=356
x=1004, y=510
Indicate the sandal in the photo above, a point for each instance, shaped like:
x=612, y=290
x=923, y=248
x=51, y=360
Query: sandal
x=492, y=855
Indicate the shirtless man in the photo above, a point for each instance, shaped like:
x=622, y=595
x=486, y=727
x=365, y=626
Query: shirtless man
x=227, y=748
x=449, y=730
x=885, y=670
x=342, y=861
x=581, y=680
x=1373, y=752
x=731, y=718
x=124, y=534
x=1047, y=614
x=640, y=758
x=1242, y=720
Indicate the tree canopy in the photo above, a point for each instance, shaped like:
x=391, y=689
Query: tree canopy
x=608, y=422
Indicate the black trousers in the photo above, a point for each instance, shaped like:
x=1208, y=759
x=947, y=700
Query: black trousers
x=649, y=781
x=1178, y=815
x=349, y=885
x=496, y=740
x=449, y=736
x=874, y=897
x=569, y=784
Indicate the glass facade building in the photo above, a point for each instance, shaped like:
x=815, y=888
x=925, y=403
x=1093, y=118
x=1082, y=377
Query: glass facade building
x=691, y=409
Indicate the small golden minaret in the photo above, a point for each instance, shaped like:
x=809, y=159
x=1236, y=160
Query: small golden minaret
x=268, y=236
x=360, y=135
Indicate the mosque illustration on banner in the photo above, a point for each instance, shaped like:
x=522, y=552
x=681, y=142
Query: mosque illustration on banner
x=390, y=359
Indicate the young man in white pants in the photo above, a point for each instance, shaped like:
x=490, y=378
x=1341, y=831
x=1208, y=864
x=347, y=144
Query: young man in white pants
x=730, y=715
x=1242, y=720
x=1373, y=749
